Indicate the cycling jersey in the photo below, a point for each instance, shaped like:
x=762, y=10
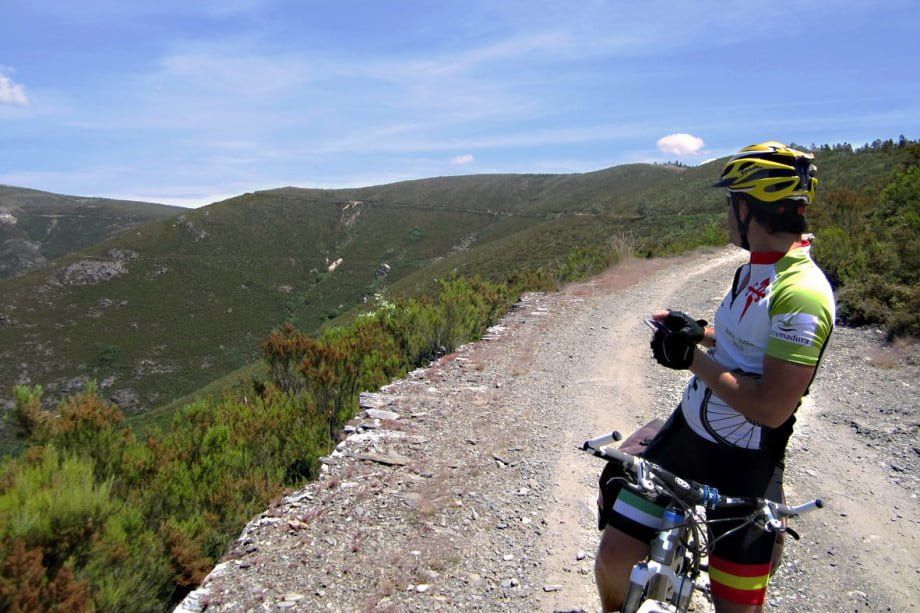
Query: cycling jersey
x=780, y=305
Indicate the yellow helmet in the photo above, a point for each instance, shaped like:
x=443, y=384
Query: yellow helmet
x=771, y=172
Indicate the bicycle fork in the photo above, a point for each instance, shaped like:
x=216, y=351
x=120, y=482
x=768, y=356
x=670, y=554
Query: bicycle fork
x=657, y=579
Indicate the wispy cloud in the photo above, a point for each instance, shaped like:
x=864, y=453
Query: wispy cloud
x=466, y=61
x=11, y=92
x=462, y=160
x=421, y=140
x=229, y=70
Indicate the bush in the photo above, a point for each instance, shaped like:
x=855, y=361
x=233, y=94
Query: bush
x=582, y=262
x=870, y=249
x=56, y=504
x=27, y=413
x=25, y=584
x=129, y=566
x=905, y=320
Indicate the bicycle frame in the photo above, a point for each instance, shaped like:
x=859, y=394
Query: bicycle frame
x=658, y=579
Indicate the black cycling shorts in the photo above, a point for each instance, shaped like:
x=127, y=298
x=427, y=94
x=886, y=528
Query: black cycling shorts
x=740, y=561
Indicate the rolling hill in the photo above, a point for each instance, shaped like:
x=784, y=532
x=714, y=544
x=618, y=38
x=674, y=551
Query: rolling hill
x=160, y=310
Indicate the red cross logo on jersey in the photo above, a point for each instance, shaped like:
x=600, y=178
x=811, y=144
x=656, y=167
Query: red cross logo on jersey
x=754, y=294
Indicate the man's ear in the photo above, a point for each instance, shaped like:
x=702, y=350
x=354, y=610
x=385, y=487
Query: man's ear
x=743, y=210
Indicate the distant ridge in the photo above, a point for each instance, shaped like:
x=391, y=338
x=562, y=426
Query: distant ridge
x=37, y=226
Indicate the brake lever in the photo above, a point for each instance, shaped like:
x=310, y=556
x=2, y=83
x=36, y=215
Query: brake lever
x=644, y=479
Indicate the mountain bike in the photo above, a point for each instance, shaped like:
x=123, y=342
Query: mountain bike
x=665, y=582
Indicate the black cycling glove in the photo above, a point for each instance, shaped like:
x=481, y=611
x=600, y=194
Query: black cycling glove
x=680, y=323
x=672, y=350
x=674, y=345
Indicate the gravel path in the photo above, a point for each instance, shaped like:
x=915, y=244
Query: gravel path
x=472, y=495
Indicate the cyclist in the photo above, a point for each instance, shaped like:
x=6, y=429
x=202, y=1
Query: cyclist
x=750, y=372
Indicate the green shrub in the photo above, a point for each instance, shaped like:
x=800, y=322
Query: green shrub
x=106, y=355
x=27, y=413
x=905, y=320
x=898, y=217
x=582, y=262
x=283, y=351
x=57, y=504
x=129, y=566
x=869, y=245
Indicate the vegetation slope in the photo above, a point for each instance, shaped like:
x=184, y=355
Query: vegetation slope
x=159, y=311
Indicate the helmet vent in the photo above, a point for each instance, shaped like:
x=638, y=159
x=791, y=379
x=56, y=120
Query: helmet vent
x=745, y=166
x=778, y=187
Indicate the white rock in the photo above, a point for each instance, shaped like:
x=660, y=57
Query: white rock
x=381, y=414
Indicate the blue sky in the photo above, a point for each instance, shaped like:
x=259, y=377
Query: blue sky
x=194, y=101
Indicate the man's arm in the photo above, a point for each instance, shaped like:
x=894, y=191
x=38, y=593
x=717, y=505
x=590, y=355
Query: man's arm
x=769, y=400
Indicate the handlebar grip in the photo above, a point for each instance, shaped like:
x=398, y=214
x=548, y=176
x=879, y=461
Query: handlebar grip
x=600, y=441
x=786, y=511
x=611, y=454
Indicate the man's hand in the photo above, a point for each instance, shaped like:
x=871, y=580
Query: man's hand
x=673, y=349
x=674, y=345
x=682, y=324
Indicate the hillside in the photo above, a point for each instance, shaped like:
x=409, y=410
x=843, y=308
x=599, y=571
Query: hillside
x=158, y=312
x=37, y=226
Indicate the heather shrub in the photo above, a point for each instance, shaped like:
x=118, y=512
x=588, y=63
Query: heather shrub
x=26, y=584
x=56, y=504
x=870, y=249
x=27, y=413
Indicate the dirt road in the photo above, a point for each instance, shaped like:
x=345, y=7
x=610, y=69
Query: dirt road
x=472, y=495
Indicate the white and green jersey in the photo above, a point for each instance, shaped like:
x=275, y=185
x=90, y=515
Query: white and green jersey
x=780, y=305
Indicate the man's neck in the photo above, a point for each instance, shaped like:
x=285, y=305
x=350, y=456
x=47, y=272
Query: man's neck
x=779, y=242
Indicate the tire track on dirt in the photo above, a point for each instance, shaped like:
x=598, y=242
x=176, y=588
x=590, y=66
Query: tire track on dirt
x=615, y=392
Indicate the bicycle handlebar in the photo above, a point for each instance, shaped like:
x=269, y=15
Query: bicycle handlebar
x=690, y=492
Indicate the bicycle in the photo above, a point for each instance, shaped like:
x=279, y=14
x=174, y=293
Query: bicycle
x=665, y=582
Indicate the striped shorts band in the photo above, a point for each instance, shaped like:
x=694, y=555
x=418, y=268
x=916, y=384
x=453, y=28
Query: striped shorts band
x=739, y=583
x=636, y=515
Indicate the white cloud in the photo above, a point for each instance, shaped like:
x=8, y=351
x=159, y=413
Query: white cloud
x=460, y=160
x=12, y=92
x=680, y=144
